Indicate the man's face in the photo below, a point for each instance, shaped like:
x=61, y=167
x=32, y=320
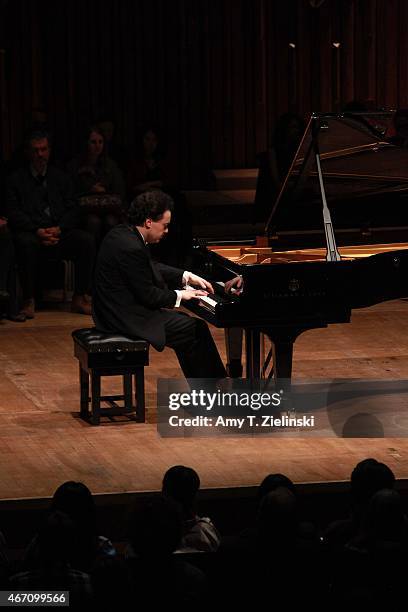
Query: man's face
x=95, y=144
x=39, y=154
x=157, y=229
x=150, y=142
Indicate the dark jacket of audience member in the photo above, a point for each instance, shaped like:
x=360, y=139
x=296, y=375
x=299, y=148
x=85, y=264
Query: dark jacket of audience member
x=370, y=570
x=76, y=501
x=53, y=568
x=28, y=201
x=368, y=477
x=155, y=572
x=182, y=484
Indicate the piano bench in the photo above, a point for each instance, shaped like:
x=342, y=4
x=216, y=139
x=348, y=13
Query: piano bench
x=102, y=354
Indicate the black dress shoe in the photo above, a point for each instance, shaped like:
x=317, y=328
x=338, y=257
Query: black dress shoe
x=18, y=318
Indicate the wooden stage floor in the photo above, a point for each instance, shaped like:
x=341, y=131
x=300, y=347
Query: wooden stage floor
x=44, y=443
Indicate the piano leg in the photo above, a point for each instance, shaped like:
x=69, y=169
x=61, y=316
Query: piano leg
x=253, y=353
x=282, y=353
x=283, y=350
x=233, y=345
x=282, y=358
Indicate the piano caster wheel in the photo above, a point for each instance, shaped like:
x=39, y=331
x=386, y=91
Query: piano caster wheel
x=234, y=369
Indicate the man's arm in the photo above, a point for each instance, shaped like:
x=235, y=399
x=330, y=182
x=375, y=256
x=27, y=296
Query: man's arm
x=137, y=272
x=177, y=278
x=172, y=276
x=19, y=219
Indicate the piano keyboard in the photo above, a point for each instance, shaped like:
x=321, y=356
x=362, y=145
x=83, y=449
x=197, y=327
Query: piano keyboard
x=205, y=301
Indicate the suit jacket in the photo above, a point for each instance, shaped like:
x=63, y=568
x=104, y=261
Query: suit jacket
x=130, y=289
x=27, y=201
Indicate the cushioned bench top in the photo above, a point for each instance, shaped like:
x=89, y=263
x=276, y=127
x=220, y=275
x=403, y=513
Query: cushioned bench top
x=95, y=341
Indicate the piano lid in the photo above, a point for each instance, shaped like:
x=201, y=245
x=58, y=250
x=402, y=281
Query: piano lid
x=365, y=178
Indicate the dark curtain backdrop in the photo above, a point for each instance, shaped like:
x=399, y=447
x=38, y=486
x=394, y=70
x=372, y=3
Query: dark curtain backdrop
x=214, y=73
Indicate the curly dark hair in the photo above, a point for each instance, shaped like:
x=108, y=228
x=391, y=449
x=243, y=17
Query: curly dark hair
x=149, y=205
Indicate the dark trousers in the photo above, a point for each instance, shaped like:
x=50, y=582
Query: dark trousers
x=194, y=345
x=8, y=270
x=6, y=258
x=76, y=245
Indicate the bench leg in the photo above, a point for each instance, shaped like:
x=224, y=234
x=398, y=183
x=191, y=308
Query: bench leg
x=127, y=392
x=96, y=397
x=140, y=395
x=84, y=386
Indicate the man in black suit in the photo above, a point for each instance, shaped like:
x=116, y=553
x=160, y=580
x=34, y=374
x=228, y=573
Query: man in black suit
x=44, y=219
x=139, y=297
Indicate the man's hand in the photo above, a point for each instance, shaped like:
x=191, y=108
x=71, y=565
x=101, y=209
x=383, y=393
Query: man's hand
x=54, y=231
x=192, y=294
x=49, y=236
x=42, y=233
x=98, y=188
x=234, y=285
x=193, y=279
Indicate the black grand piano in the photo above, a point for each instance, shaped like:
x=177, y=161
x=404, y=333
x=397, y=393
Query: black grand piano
x=336, y=239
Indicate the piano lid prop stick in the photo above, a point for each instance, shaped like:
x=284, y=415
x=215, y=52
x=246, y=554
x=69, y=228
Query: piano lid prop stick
x=332, y=253
x=336, y=76
x=292, y=77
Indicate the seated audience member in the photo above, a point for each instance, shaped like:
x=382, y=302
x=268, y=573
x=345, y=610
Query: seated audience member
x=370, y=569
x=153, y=168
x=150, y=167
x=44, y=217
x=384, y=522
x=53, y=568
x=155, y=573
x=271, y=482
x=98, y=184
x=113, y=148
x=75, y=500
x=304, y=530
x=368, y=477
x=269, y=553
x=138, y=297
x=181, y=484
x=8, y=298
